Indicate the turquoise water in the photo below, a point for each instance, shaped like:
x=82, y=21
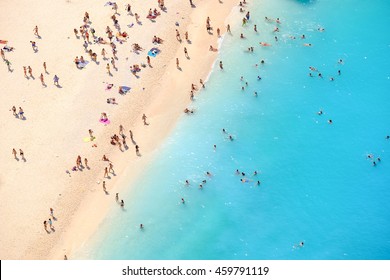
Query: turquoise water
x=317, y=185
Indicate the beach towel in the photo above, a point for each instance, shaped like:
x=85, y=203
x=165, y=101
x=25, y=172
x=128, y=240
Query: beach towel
x=8, y=49
x=151, y=16
x=105, y=121
x=153, y=52
x=109, y=86
x=88, y=139
x=83, y=64
x=124, y=89
x=3, y=42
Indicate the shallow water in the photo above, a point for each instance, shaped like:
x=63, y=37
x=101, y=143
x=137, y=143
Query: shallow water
x=317, y=185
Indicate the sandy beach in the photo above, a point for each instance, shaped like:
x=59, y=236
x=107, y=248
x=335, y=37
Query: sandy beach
x=57, y=118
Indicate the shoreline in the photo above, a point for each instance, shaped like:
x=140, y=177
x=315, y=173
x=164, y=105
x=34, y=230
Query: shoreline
x=79, y=198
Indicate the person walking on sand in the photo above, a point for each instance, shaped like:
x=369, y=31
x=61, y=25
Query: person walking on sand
x=45, y=224
x=186, y=52
x=42, y=79
x=108, y=69
x=131, y=135
x=221, y=65
x=137, y=150
x=21, y=113
x=148, y=61
x=44, y=67
x=218, y=32
x=104, y=186
x=144, y=119
x=186, y=36
x=36, y=31
x=122, y=203
x=201, y=82
x=30, y=71
x=105, y=172
x=34, y=46
x=86, y=162
x=178, y=35
x=177, y=63
x=56, y=79
x=121, y=130
x=228, y=28
x=117, y=197
x=25, y=71
x=14, y=153
x=52, y=212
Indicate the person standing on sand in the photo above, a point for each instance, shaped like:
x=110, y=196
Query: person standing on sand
x=30, y=71
x=45, y=224
x=186, y=53
x=220, y=65
x=148, y=61
x=56, y=79
x=201, y=82
x=228, y=28
x=44, y=67
x=105, y=172
x=137, y=150
x=121, y=129
x=122, y=203
x=14, y=111
x=104, y=186
x=144, y=119
x=117, y=197
x=111, y=168
x=51, y=224
x=177, y=63
x=14, y=153
x=90, y=131
x=103, y=53
x=52, y=212
x=25, y=71
x=186, y=35
x=21, y=153
x=86, y=162
x=108, y=69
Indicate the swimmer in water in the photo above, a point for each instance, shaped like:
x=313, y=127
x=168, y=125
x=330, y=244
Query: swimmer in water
x=223, y=130
x=187, y=182
x=230, y=138
x=258, y=183
x=319, y=112
x=182, y=200
x=208, y=174
x=258, y=78
x=237, y=171
x=204, y=181
x=255, y=173
x=330, y=121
